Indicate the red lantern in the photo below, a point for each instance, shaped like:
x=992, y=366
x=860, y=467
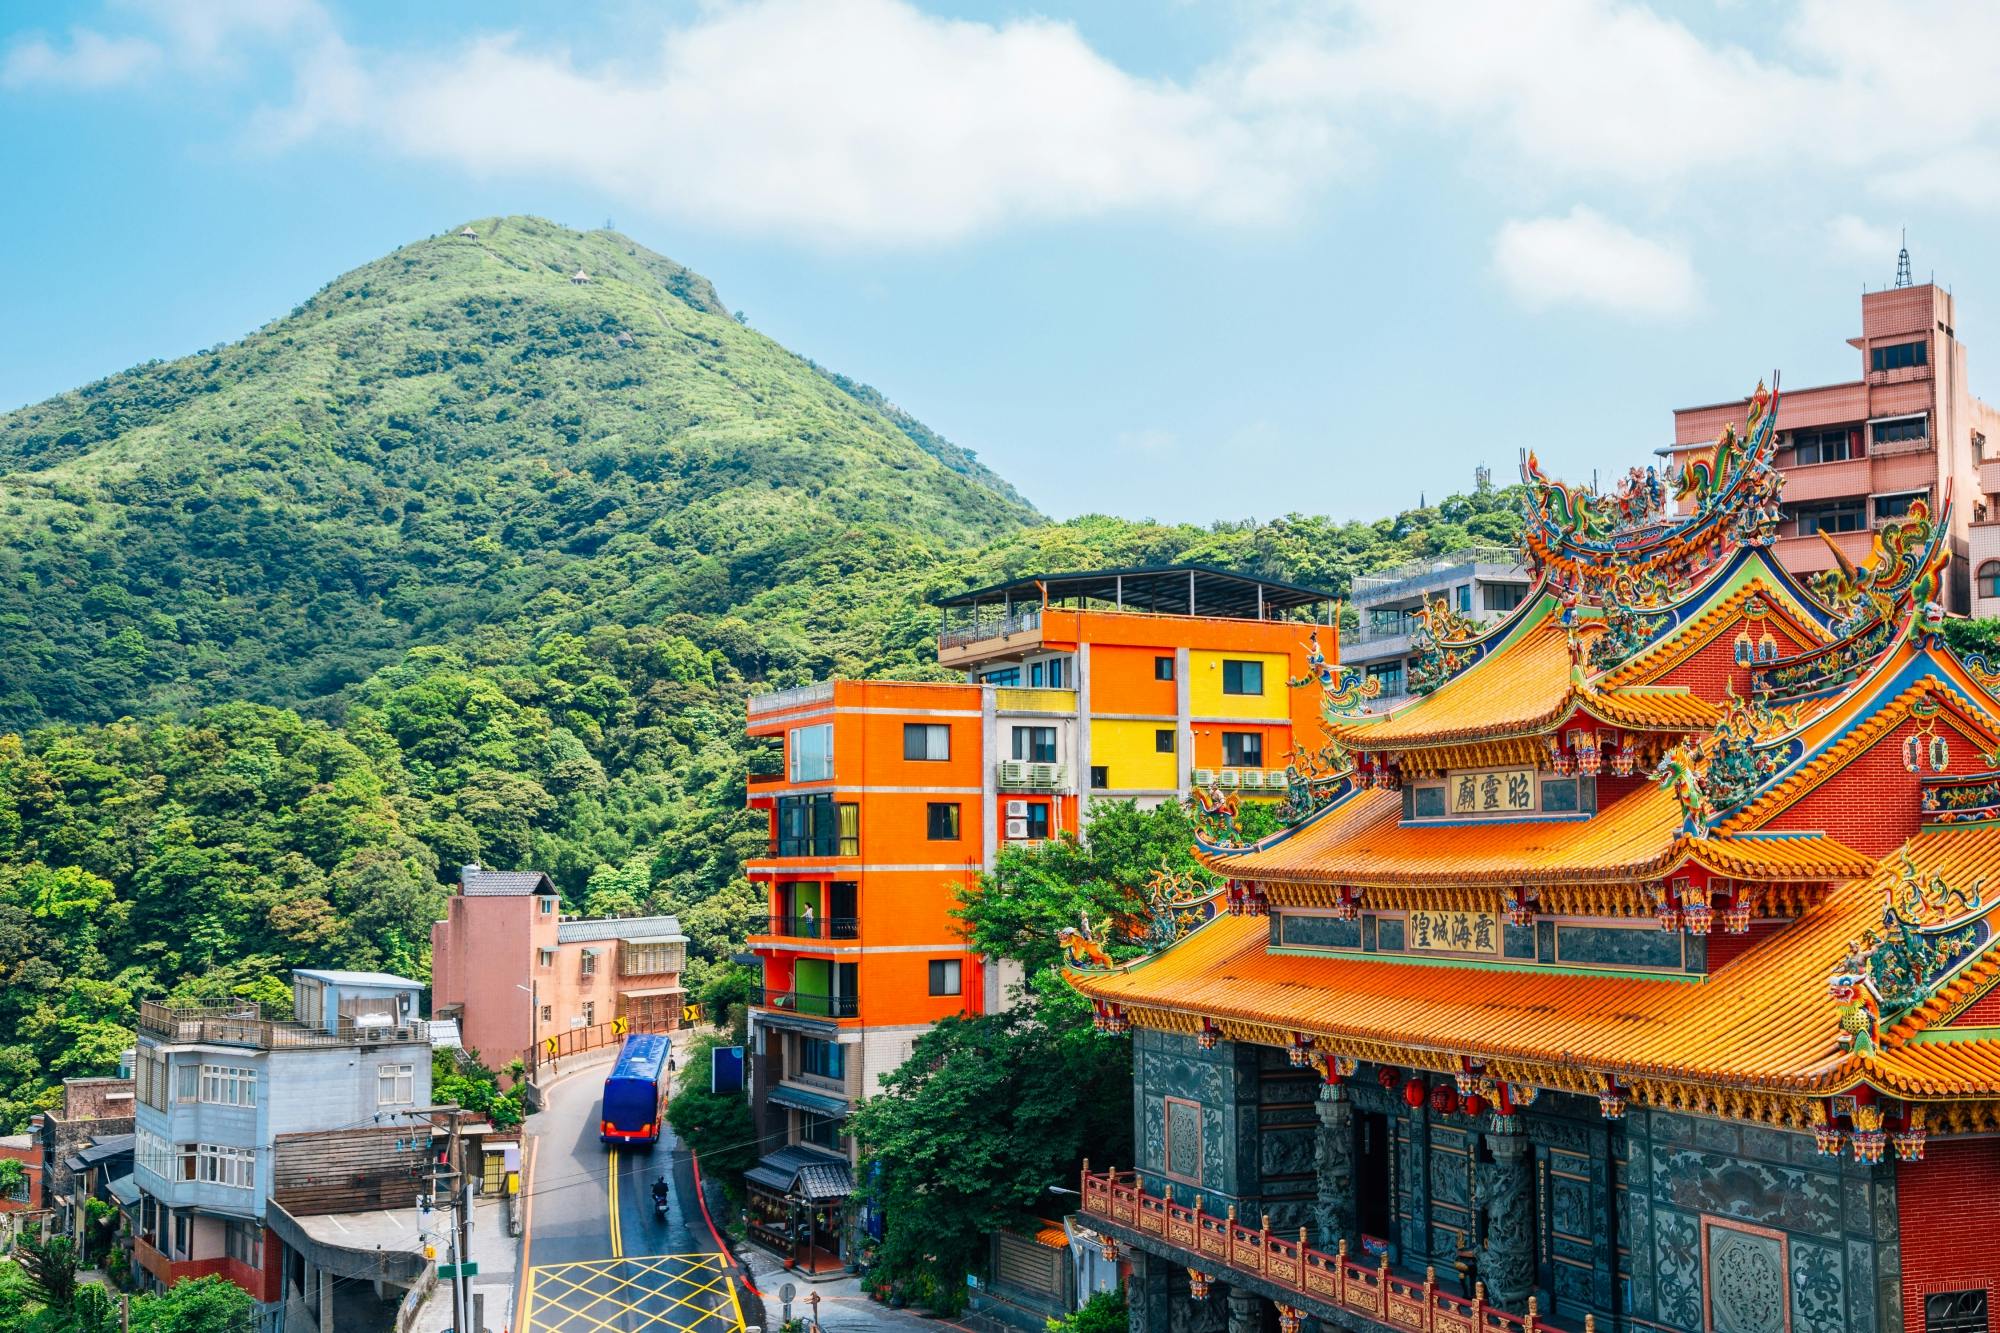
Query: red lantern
x=1413, y=1093
x=1444, y=1099
x=1474, y=1104
x=1386, y=1077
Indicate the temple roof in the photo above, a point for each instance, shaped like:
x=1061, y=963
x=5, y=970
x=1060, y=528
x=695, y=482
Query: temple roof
x=1363, y=841
x=1763, y=1020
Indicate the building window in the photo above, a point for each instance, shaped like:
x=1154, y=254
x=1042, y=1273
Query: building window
x=1242, y=677
x=1100, y=777
x=1899, y=356
x=1462, y=594
x=589, y=1014
x=154, y=1153
x=811, y=753
x=548, y=1013
x=395, y=1085
x=1038, y=819
x=1831, y=444
x=547, y=903
x=1889, y=507
x=1900, y=430
x=187, y=1082
x=588, y=963
x=243, y=1242
x=941, y=821
x=183, y=1234
x=817, y=826
x=848, y=815
x=1242, y=749
x=929, y=741
x=819, y=1130
x=822, y=1059
x=1163, y=741
x=545, y=957
x=1047, y=674
x=1390, y=674
x=214, y=1164
x=1989, y=579
x=1004, y=676
x=944, y=976
x=228, y=1085
x=1037, y=745
x=1839, y=516
x=1163, y=668
x=1502, y=596
x=1955, y=1311
x=646, y=960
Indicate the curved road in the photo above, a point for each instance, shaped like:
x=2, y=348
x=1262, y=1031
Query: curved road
x=598, y=1258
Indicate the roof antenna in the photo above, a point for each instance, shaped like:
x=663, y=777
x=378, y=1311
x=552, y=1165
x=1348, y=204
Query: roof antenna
x=1903, y=261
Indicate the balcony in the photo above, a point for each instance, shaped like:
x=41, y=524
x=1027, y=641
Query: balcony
x=1022, y=775
x=961, y=644
x=810, y=1006
x=780, y=701
x=1330, y=1280
x=807, y=927
x=243, y=1025
x=1014, y=699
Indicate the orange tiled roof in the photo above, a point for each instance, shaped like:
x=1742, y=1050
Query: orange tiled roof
x=1363, y=841
x=1523, y=688
x=1761, y=1021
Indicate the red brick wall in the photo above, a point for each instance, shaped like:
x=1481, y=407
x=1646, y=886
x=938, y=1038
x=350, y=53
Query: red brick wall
x=1722, y=946
x=1714, y=665
x=1943, y=1204
x=1983, y=1012
x=1871, y=804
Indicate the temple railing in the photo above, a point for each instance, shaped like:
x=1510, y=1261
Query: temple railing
x=1331, y=1279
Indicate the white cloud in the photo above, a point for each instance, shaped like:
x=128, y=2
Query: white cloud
x=1585, y=259
x=88, y=62
x=855, y=120
x=1851, y=237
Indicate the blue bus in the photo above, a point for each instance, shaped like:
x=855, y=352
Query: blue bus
x=635, y=1093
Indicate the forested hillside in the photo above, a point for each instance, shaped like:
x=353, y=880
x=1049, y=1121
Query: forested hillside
x=462, y=560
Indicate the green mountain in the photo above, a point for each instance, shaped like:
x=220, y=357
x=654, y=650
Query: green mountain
x=463, y=560
x=437, y=441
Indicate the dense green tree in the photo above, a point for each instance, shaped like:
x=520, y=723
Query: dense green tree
x=715, y=1126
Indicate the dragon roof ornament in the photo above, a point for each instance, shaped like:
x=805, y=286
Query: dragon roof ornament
x=1930, y=931
x=1624, y=546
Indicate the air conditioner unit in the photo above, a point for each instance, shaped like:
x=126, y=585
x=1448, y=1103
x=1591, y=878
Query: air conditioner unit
x=1013, y=773
x=1229, y=777
x=1278, y=779
x=1045, y=775
x=1202, y=777
x=1017, y=809
x=1017, y=828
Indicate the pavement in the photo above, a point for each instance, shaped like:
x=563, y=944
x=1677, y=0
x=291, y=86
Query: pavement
x=496, y=1253
x=843, y=1306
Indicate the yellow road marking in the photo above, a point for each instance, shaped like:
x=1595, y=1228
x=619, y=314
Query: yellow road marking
x=527, y=1232
x=617, y=1240
x=572, y=1300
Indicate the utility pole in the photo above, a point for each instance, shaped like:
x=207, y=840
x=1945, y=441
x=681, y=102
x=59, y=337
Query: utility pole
x=462, y=1289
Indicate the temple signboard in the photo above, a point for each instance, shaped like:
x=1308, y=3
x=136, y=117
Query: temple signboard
x=1504, y=791
x=1454, y=932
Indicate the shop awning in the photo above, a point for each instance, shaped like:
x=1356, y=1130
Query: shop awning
x=803, y=1173
x=801, y=1100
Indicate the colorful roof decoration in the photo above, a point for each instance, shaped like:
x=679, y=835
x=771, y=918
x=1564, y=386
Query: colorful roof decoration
x=1671, y=733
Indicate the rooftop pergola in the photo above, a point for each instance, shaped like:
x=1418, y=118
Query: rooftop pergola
x=1179, y=590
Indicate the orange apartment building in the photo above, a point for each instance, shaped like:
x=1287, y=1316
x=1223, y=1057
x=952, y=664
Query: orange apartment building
x=1856, y=453
x=886, y=797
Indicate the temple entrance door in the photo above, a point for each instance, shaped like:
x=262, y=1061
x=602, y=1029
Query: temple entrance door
x=1374, y=1209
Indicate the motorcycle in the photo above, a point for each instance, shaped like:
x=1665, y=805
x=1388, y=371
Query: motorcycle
x=660, y=1201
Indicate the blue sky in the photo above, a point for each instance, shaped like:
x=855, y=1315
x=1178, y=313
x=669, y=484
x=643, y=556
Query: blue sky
x=1155, y=258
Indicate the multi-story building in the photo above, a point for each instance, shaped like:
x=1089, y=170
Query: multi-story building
x=219, y=1087
x=1480, y=584
x=1856, y=453
x=93, y=1110
x=886, y=798
x=513, y=971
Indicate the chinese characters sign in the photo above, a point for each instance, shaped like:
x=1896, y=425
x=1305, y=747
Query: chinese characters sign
x=1454, y=932
x=1506, y=792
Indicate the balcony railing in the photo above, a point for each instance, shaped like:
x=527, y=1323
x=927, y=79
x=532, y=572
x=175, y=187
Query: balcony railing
x=980, y=630
x=812, y=1006
x=243, y=1025
x=796, y=697
x=794, y=927
x=1025, y=775
x=1331, y=1279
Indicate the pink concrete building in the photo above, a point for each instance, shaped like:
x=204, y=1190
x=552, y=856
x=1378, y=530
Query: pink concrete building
x=1856, y=453
x=513, y=971
x=25, y=1149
